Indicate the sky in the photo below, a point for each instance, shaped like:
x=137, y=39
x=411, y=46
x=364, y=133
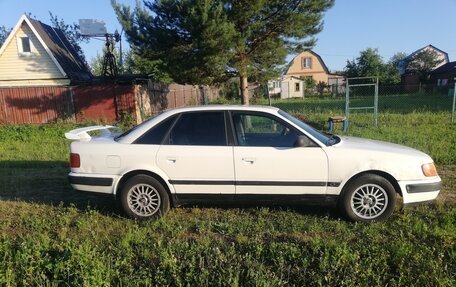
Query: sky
x=350, y=26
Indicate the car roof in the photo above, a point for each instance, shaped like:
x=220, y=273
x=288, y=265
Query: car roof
x=138, y=131
x=225, y=108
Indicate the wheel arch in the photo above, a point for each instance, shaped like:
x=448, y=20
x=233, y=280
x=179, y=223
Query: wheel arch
x=383, y=174
x=133, y=173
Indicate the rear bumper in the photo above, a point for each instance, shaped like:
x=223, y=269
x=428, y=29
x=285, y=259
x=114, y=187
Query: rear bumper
x=93, y=182
x=420, y=191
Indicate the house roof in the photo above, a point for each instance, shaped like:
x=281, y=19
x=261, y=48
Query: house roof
x=58, y=48
x=448, y=68
x=313, y=53
x=402, y=67
x=431, y=47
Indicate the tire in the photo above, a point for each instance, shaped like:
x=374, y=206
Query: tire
x=143, y=197
x=368, y=198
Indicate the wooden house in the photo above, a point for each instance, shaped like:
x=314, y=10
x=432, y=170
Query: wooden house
x=36, y=54
x=309, y=64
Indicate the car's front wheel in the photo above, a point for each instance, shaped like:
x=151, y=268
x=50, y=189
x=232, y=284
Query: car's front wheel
x=144, y=197
x=369, y=197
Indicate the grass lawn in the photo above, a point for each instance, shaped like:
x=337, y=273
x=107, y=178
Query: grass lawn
x=51, y=235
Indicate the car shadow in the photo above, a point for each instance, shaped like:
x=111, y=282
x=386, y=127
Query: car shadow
x=45, y=182
x=307, y=209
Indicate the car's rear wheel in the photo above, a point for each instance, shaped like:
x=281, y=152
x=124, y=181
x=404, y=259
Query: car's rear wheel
x=369, y=197
x=144, y=197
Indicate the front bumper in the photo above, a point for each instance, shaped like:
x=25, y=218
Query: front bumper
x=420, y=190
x=93, y=182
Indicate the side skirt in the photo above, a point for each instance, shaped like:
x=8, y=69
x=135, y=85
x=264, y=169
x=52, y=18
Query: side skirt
x=279, y=199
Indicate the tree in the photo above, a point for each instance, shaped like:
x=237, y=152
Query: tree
x=4, y=32
x=391, y=73
x=209, y=41
x=135, y=64
x=132, y=64
x=72, y=33
x=96, y=65
x=371, y=64
x=422, y=63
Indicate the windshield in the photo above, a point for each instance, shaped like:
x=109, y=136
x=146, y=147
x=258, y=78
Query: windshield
x=327, y=139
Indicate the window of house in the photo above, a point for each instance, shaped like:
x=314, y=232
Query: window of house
x=306, y=63
x=24, y=45
x=201, y=128
x=297, y=87
x=444, y=82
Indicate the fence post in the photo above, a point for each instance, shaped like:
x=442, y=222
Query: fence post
x=376, y=105
x=347, y=94
x=454, y=102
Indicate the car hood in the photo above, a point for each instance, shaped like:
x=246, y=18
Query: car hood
x=375, y=146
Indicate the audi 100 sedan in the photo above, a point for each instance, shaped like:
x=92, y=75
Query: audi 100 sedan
x=246, y=153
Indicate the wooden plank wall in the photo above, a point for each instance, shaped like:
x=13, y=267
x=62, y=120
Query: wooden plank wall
x=107, y=102
x=34, y=105
x=40, y=105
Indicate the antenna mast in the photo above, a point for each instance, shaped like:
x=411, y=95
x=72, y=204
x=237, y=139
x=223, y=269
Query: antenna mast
x=96, y=29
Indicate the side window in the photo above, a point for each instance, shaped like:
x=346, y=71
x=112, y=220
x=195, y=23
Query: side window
x=203, y=128
x=262, y=130
x=155, y=134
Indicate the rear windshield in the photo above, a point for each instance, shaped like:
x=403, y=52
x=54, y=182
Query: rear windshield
x=132, y=129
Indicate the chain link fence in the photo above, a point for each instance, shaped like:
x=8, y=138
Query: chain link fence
x=393, y=101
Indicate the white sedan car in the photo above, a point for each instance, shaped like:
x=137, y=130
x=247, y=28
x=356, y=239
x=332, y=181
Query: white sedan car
x=241, y=153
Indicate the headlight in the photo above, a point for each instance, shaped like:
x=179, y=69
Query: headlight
x=429, y=169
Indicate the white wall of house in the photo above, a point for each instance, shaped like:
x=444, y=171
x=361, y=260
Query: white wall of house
x=295, y=88
x=274, y=87
x=287, y=87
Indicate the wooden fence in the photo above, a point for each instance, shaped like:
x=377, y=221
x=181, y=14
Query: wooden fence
x=152, y=98
x=107, y=102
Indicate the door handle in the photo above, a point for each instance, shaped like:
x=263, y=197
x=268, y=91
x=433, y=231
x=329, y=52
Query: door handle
x=248, y=160
x=171, y=159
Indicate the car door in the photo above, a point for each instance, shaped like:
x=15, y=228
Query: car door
x=195, y=154
x=268, y=163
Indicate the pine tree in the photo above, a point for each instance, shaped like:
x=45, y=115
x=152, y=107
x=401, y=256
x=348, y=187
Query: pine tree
x=209, y=41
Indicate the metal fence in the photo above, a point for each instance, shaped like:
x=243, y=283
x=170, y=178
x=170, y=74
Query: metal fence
x=419, y=100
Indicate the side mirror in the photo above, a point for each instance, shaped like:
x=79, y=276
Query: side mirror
x=303, y=141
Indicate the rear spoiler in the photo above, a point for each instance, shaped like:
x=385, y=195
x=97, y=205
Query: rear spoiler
x=82, y=134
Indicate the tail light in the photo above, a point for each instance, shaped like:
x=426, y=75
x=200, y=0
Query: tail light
x=75, y=160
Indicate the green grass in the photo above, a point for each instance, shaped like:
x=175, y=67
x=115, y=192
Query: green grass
x=53, y=245
x=51, y=235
